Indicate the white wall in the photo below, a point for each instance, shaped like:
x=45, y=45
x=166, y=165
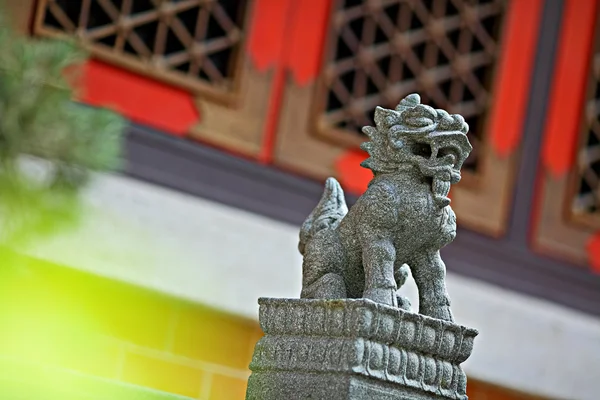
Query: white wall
x=227, y=258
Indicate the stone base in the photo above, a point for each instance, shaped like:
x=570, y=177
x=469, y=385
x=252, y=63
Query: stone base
x=279, y=385
x=356, y=349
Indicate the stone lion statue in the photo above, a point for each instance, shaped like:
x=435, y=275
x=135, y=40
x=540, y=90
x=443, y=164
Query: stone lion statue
x=402, y=220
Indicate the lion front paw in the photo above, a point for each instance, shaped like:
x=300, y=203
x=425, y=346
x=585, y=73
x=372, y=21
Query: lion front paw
x=385, y=296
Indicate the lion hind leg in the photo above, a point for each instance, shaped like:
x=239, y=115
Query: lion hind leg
x=329, y=286
x=401, y=273
x=403, y=302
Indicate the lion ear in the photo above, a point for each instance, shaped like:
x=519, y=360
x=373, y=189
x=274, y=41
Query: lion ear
x=385, y=118
x=409, y=101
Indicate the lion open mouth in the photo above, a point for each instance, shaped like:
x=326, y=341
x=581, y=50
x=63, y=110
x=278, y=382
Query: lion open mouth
x=439, y=169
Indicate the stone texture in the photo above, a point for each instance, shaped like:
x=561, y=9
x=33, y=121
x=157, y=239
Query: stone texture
x=356, y=349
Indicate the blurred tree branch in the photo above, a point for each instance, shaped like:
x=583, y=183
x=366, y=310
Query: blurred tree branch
x=38, y=117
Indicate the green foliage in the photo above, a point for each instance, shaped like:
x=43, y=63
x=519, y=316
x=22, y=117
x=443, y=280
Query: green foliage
x=39, y=118
x=30, y=211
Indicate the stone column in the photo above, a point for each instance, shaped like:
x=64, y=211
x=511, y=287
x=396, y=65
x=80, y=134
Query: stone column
x=354, y=349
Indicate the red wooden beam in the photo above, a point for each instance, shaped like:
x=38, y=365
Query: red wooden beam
x=566, y=103
x=569, y=85
x=142, y=100
x=266, y=37
x=289, y=37
x=512, y=80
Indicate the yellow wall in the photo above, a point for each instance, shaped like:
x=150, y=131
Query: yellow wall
x=66, y=318
x=73, y=320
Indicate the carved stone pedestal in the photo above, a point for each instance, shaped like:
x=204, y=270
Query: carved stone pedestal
x=356, y=349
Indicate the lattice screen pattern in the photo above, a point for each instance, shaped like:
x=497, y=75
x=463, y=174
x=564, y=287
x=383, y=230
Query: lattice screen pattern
x=587, y=197
x=382, y=50
x=193, y=43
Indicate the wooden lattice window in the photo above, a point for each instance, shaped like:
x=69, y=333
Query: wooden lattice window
x=586, y=182
x=190, y=43
x=382, y=50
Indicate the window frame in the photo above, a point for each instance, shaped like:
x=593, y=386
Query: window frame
x=134, y=64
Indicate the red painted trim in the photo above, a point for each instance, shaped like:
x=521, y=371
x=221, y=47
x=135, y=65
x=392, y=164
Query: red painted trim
x=352, y=176
x=272, y=118
x=569, y=85
x=277, y=87
x=140, y=99
x=307, y=39
x=306, y=23
x=267, y=32
x=514, y=74
x=566, y=104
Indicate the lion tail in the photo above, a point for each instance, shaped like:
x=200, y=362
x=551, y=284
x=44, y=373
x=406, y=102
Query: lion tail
x=330, y=210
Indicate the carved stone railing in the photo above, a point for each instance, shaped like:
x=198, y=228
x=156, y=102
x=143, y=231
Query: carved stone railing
x=355, y=349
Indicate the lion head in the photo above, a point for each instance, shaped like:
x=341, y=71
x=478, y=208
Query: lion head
x=417, y=135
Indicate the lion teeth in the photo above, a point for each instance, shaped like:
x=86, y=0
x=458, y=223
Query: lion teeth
x=440, y=187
